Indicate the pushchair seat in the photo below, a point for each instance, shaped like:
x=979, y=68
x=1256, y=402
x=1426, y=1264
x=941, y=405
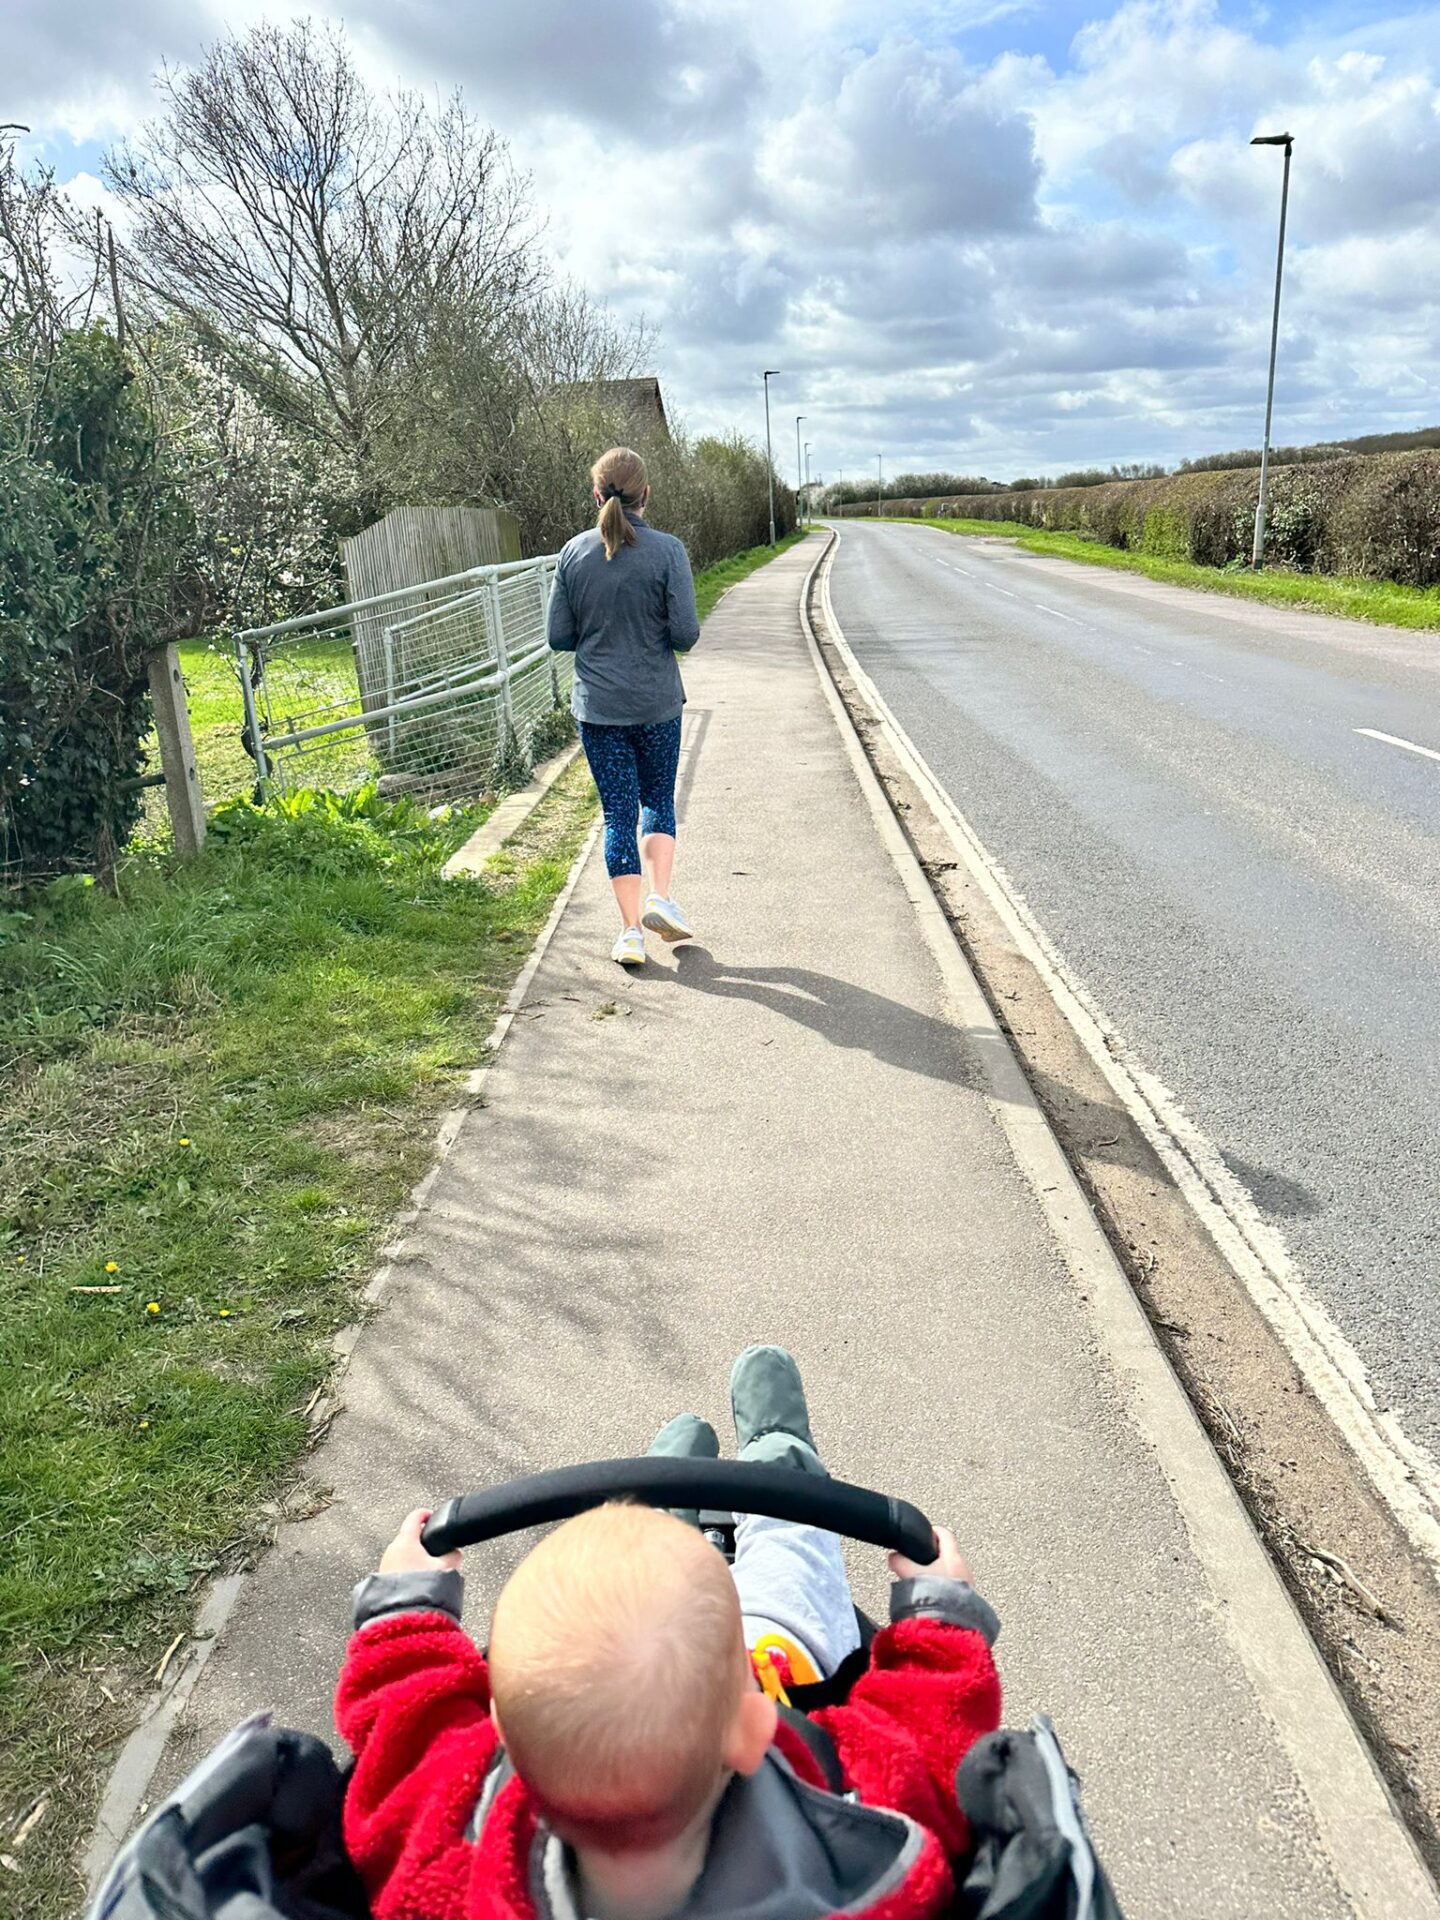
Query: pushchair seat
x=254, y=1832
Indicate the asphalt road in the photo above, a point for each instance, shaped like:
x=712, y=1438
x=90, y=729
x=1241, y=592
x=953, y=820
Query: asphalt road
x=1246, y=883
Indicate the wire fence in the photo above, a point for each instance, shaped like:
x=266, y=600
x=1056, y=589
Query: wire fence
x=441, y=688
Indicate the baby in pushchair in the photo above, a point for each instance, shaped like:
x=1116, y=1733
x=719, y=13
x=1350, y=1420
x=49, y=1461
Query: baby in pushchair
x=651, y=1732
x=616, y=1756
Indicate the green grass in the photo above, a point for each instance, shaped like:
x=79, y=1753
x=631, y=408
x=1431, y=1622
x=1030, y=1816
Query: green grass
x=218, y=1088
x=1357, y=599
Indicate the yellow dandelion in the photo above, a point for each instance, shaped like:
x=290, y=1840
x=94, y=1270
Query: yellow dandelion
x=144, y=1423
x=224, y=1313
x=112, y=1266
x=184, y=1141
x=152, y=1306
x=19, y=1259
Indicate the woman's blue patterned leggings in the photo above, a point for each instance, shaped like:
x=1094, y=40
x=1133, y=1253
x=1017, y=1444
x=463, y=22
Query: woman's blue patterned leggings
x=634, y=768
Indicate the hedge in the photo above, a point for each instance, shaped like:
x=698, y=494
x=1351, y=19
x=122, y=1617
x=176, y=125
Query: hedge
x=1372, y=515
x=93, y=534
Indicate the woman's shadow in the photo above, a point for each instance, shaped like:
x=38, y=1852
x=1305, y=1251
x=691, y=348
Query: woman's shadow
x=842, y=1013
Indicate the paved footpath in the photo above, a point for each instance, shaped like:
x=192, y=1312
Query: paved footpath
x=780, y=1134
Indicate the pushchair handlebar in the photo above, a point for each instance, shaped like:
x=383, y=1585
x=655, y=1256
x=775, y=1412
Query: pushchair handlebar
x=658, y=1480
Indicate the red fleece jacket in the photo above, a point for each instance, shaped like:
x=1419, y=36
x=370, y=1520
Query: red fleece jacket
x=414, y=1705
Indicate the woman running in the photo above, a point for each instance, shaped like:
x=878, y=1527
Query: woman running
x=624, y=605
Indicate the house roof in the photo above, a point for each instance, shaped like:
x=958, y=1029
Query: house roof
x=640, y=400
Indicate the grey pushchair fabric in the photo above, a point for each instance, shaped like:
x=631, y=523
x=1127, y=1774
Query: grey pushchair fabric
x=252, y=1834
x=1033, y=1855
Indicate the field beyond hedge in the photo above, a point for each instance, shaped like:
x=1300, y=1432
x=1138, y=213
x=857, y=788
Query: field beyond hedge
x=1364, y=517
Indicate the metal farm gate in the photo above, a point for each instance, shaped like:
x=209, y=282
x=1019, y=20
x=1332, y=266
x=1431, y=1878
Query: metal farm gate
x=436, y=688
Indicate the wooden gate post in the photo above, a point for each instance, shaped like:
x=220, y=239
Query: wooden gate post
x=177, y=751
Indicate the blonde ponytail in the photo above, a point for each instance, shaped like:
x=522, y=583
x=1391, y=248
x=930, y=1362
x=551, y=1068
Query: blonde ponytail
x=619, y=477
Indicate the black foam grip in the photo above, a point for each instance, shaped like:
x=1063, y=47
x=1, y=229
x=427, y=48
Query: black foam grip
x=658, y=1480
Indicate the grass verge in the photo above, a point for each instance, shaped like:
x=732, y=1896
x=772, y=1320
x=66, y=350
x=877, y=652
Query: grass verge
x=1379, y=601
x=218, y=1089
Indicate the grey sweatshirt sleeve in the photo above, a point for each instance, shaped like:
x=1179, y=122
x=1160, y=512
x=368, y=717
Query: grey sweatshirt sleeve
x=380, y=1595
x=561, y=630
x=680, y=600
x=931, y=1596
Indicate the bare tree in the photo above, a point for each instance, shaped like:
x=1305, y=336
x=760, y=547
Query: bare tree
x=510, y=413
x=311, y=232
x=37, y=300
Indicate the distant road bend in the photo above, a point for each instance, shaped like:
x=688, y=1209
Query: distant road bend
x=1226, y=820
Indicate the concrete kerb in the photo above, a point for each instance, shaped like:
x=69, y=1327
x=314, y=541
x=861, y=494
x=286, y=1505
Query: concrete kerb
x=124, y=1799
x=1371, y=1851
x=508, y=817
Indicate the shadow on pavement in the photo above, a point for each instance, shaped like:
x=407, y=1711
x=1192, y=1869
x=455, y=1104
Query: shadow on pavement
x=838, y=1010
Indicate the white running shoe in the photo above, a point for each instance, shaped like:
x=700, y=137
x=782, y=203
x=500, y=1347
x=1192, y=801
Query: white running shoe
x=629, y=949
x=662, y=916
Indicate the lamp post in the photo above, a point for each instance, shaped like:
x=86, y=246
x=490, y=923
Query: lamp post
x=771, y=373
x=799, y=477
x=1286, y=140
x=879, y=482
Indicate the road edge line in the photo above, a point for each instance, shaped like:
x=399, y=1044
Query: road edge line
x=1370, y=1848
x=135, y=1766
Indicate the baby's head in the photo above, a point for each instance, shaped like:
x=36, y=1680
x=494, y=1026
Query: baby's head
x=622, y=1688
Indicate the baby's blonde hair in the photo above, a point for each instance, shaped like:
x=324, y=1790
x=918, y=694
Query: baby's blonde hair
x=617, y=1663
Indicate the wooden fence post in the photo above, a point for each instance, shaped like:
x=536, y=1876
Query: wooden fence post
x=177, y=751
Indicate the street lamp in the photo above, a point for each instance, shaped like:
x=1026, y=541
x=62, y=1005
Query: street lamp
x=1286, y=140
x=879, y=482
x=771, y=373
x=799, y=477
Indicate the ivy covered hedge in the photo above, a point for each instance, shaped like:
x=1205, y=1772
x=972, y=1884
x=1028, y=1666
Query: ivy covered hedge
x=1374, y=515
x=94, y=533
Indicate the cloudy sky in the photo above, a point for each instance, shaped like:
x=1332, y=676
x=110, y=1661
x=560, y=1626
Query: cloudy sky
x=993, y=235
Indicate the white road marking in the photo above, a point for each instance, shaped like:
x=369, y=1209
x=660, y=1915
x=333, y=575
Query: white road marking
x=1394, y=740
x=1058, y=615
x=1005, y=590
x=1187, y=666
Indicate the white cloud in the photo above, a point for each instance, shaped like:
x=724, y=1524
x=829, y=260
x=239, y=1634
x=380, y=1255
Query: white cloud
x=1023, y=261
